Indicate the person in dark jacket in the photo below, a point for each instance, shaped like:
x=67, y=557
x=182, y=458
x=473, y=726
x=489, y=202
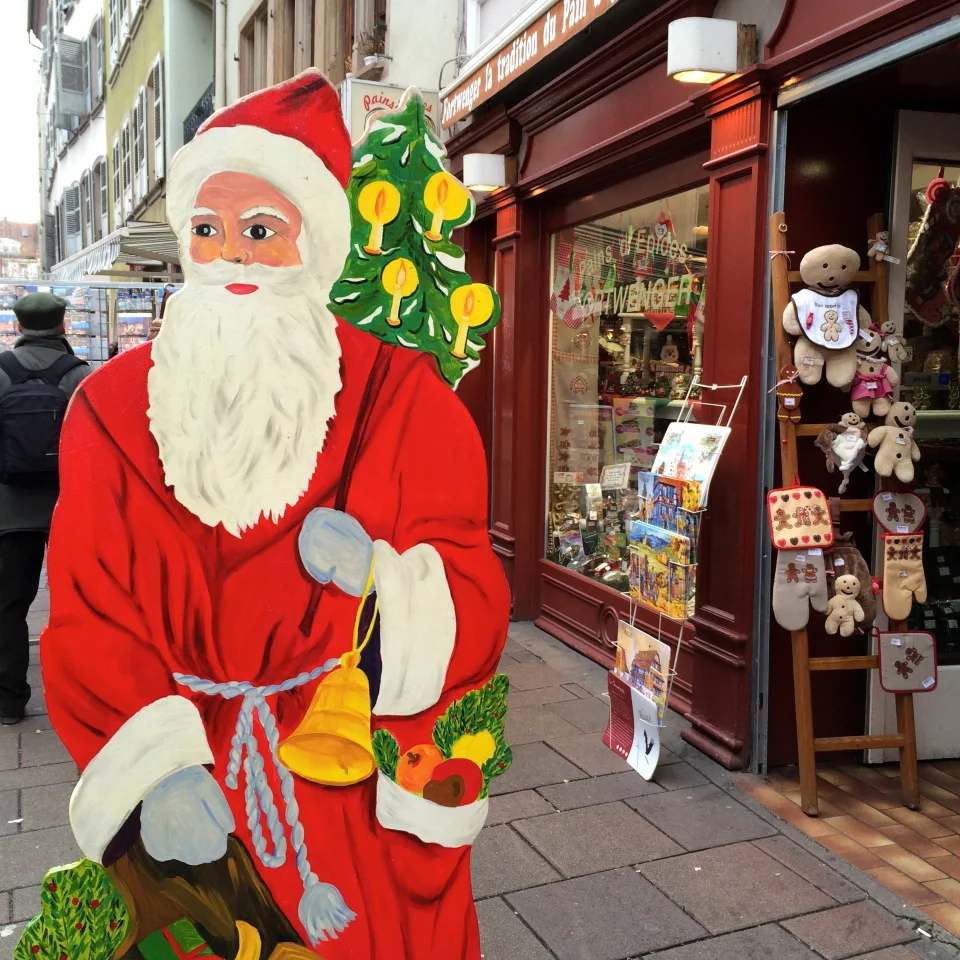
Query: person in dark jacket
x=25, y=511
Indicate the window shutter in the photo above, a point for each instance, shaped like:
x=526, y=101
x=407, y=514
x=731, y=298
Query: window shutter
x=117, y=185
x=73, y=219
x=124, y=19
x=71, y=80
x=88, y=208
x=45, y=40
x=49, y=240
x=104, y=198
x=141, y=135
x=84, y=218
x=62, y=228
x=159, y=156
x=96, y=62
x=114, y=30
x=125, y=146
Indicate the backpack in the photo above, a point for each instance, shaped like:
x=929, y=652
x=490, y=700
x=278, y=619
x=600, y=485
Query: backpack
x=31, y=415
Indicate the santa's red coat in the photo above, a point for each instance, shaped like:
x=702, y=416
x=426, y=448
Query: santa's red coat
x=141, y=589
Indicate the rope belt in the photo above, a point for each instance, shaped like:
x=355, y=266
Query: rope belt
x=323, y=911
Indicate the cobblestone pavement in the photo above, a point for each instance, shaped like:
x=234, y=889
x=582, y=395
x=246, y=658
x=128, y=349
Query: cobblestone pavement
x=581, y=858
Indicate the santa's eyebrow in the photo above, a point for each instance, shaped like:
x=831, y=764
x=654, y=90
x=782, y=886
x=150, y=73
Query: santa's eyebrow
x=204, y=212
x=263, y=212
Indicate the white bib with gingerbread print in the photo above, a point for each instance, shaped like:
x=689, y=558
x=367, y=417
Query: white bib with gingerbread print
x=829, y=322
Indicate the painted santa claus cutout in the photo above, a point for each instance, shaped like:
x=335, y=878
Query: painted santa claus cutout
x=275, y=612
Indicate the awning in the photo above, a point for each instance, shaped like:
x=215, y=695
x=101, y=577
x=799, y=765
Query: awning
x=136, y=243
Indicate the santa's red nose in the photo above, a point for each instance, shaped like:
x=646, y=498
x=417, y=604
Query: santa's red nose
x=242, y=288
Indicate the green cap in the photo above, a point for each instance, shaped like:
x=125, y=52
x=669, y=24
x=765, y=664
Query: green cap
x=40, y=312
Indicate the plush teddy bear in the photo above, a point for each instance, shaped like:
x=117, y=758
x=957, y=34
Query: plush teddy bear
x=880, y=246
x=826, y=316
x=892, y=344
x=844, y=443
x=843, y=609
x=898, y=450
x=873, y=385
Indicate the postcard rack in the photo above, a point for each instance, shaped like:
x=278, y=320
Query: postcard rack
x=808, y=745
x=725, y=421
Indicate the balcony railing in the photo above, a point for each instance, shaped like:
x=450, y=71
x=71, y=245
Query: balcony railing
x=198, y=114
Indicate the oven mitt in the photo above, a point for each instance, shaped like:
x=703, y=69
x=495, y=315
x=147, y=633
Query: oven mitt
x=799, y=582
x=903, y=577
x=848, y=561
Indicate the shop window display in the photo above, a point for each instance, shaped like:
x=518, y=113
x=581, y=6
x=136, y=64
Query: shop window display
x=929, y=380
x=627, y=308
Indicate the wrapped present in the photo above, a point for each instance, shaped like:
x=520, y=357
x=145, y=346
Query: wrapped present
x=178, y=941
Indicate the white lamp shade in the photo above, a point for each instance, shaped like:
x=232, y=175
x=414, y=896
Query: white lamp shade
x=483, y=172
x=701, y=49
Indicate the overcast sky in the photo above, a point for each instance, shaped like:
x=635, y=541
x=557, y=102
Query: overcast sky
x=19, y=189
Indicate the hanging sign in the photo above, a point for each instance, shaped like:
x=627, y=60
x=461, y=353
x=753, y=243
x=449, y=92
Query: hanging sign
x=553, y=28
x=360, y=98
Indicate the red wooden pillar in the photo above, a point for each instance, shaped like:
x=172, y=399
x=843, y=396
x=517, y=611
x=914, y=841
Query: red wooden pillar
x=516, y=502
x=733, y=346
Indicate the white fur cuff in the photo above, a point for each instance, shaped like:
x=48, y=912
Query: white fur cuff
x=162, y=738
x=397, y=809
x=418, y=626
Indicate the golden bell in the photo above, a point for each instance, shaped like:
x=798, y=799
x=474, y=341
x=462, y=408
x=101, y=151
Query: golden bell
x=332, y=744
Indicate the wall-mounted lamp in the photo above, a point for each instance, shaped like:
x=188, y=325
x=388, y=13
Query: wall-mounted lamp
x=484, y=172
x=704, y=50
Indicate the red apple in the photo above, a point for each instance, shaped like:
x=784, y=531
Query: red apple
x=468, y=770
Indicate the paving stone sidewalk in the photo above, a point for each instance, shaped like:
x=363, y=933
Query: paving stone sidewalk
x=581, y=858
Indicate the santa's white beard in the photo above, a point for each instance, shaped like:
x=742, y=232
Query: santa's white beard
x=242, y=389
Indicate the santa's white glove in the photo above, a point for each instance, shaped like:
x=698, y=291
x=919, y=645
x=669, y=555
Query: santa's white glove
x=334, y=548
x=187, y=818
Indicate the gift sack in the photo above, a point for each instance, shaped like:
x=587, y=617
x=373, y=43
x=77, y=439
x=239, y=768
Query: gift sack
x=908, y=661
x=799, y=518
x=903, y=578
x=899, y=512
x=846, y=560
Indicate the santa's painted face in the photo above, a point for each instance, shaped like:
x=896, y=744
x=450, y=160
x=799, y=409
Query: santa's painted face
x=243, y=219
x=246, y=367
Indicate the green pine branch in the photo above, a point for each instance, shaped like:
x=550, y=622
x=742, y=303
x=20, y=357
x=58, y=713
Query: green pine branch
x=483, y=709
x=82, y=916
x=386, y=752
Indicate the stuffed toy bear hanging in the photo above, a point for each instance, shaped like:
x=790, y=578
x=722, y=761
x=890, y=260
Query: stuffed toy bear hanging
x=845, y=444
x=826, y=316
x=892, y=344
x=873, y=385
x=898, y=451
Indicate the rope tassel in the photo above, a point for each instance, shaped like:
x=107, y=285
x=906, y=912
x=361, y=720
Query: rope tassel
x=323, y=911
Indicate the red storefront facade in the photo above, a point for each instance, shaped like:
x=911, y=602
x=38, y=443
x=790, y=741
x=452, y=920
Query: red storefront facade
x=608, y=133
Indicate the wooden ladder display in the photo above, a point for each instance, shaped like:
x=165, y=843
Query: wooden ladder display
x=905, y=740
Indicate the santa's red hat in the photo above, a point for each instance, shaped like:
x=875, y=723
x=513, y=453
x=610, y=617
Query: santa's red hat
x=292, y=136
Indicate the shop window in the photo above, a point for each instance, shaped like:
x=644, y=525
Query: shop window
x=627, y=304
x=931, y=326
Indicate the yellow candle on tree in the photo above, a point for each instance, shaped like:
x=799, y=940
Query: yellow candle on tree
x=400, y=279
x=472, y=306
x=447, y=199
x=378, y=204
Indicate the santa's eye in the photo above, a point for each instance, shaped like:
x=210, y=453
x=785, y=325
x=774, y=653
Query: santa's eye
x=259, y=232
x=204, y=230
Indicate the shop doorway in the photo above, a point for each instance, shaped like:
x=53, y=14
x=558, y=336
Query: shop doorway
x=868, y=138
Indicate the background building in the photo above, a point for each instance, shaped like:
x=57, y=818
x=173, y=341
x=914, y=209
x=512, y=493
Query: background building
x=371, y=49
x=19, y=250
x=159, y=65
x=73, y=176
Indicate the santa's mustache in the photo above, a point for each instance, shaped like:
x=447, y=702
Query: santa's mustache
x=220, y=273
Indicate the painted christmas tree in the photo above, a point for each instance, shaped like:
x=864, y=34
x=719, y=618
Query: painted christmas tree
x=82, y=917
x=404, y=280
